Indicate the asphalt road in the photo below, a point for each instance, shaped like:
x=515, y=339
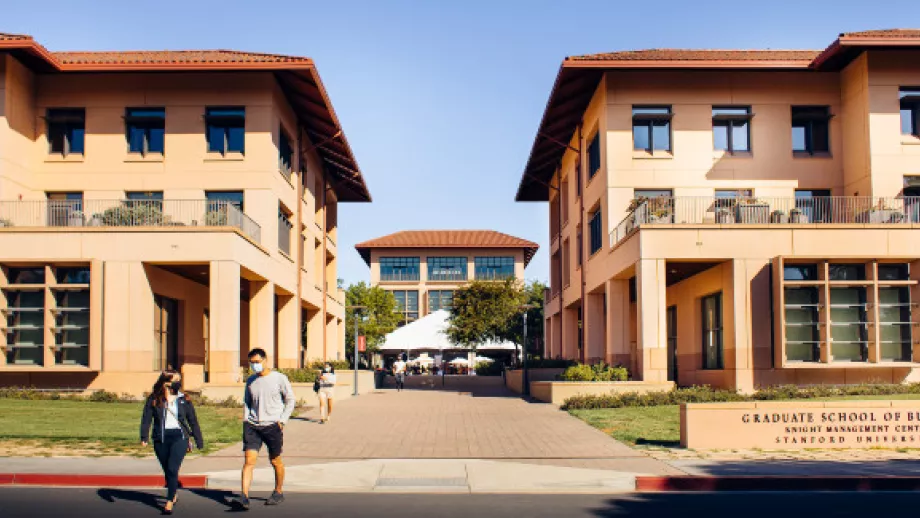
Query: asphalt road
x=72, y=503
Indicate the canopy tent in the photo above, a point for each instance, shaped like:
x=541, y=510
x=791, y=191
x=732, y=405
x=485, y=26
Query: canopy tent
x=459, y=361
x=429, y=333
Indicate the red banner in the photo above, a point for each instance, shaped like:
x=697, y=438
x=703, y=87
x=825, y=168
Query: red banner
x=362, y=344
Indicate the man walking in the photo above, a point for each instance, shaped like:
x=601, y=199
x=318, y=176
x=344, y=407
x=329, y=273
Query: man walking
x=399, y=370
x=268, y=402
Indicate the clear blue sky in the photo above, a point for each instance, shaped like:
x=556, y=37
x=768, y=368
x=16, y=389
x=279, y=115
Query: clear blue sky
x=440, y=100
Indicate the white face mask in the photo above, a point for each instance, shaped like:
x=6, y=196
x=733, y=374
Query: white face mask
x=256, y=367
x=328, y=369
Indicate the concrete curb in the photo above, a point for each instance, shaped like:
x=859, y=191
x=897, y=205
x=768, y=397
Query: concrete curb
x=775, y=483
x=58, y=479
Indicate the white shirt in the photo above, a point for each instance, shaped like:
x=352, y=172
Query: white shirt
x=328, y=379
x=172, y=411
x=399, y=367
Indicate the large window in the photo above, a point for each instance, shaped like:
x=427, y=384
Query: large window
x=407, y=305
x=849, y=335
x=594, y=155
x=910, y=111
x=811, y=130
x=894, y=323
x=226, y=129
x=285, y=154
x=440, y=299
x=146, y=130
x=217, y=199
x=597, y=232
x=399, y=268
x=731, y=129
x=447, y=268
x=711, y=307
x=803, y=338
x=652, y=128
x=493, y=268
x=66, y=130
x=284, y=230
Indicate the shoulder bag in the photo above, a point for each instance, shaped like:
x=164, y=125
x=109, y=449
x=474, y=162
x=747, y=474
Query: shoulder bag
x=188, y=433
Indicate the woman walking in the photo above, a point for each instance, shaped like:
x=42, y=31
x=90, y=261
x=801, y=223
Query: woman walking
x=175, y=426
x=326, y=392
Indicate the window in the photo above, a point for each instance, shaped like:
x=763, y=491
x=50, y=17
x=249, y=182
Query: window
x=25, y=325
x=566, y=263
x=447, y=268
x=580, y=244
x=731, y=129
x=284, y=230
x=407, y=304
x=800, y=272
x=226, y=129
x=810, y=130
x=146, y=130
x=146, y=200
x=728, y=197
x=594, y=155
x=596, y=229
x=652, y=128
x=285, y=154
x=894, y=272
x=849, y=335
x=712, y=331
x=217, y=199
x=847, y=272
x=399, y=268
x=78, y=275
x=564, y=205
x=494, y=268
x=894, y=323
x=910, y=111
x=803, y=338
x=440, y=299
x=814, y=205
x=66, y=130
x=28, y=275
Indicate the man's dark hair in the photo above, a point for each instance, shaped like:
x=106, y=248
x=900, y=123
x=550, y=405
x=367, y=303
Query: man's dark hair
x=257, y=352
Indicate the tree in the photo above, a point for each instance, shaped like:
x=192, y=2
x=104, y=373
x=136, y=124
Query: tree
x=533, y=295
x=483, y=311
x=381, y=312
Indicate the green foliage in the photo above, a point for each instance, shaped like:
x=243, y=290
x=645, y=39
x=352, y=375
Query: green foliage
x=489, y=369
x=307, y=375
x=381, y=310
x=598, y=372
x=706, y=394
x=533, y=294
x=485, y=310
x=132, y=215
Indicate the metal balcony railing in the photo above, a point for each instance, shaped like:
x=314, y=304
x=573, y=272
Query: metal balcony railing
x=127, y=213
x=709, y=210
x=399, y=277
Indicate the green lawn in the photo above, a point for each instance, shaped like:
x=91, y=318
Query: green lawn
x=103, y=428
x=660, y=425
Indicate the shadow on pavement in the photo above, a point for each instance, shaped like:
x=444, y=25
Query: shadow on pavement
x=473, y=386
x=114, y=495
x=777, y=467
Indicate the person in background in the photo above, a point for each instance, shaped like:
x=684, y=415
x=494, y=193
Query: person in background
x=268, y=402
x=399, y=370
x=326, y=392
x=175, y=426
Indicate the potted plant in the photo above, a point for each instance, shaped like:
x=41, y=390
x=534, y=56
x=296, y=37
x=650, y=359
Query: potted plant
x=724, y=216
x=751, y=210
x=797, y=216
x=75, y=218
x=885, y=213
x=778, y=216
x=5, y=223
x=95, y=220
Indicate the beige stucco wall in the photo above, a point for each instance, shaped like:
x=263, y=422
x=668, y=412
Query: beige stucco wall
x=556, y=392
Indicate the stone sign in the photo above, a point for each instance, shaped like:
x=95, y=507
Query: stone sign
x=798, y=425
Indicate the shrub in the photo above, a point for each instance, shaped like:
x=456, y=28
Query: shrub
x=300, y=375
x=489, y=369
x=336, y=364
x=597, y=372
x=132, y=215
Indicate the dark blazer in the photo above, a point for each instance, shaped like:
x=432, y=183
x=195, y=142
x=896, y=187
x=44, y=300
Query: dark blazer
x=157, y=416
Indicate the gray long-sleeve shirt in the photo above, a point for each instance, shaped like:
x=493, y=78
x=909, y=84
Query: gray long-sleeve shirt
x=268, y=399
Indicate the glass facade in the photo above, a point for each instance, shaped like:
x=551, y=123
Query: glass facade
x=407, y=302
x=447, y=268
x=494, y=268
x=440, y=299
x=399, y=268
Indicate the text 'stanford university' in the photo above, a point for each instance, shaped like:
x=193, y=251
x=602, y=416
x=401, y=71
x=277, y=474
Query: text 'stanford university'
x=166, y=210
x=736, y=218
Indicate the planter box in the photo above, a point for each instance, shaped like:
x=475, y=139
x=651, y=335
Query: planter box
x=752, y=213
x=514, y=378
x=779, y=218
x=724, y=217
x=664, y=219
x=886, y=216
x=556, y=392
x=799, y=218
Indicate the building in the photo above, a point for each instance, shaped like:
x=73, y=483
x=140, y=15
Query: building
x=166, y=210
x=736, y=218
x=423, y=267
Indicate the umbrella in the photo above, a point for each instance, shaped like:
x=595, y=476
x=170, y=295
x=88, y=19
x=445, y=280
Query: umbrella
x=483, y=359
x=459, y=361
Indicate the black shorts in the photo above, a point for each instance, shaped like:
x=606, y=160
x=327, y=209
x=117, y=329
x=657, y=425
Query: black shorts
x=271, y=435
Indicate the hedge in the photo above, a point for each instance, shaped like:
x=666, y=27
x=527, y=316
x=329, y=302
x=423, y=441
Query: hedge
x=597, y=372
x=706, y=394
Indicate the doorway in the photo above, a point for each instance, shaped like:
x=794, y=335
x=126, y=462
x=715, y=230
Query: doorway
x=672, y=343
x=165, y=332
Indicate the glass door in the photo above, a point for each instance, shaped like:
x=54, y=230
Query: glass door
x=672, y=344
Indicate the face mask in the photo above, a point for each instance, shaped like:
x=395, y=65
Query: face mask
x=256, y=367
x=328, y=369
x=175, y=386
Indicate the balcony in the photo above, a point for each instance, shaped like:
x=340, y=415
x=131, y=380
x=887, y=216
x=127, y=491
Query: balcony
x=127, y=213
x=399, y=277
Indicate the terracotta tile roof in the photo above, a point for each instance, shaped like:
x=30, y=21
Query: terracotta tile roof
x=701, y=55
x=5, y=36
x=884, y=33
x=448, y=239
x=149, y=57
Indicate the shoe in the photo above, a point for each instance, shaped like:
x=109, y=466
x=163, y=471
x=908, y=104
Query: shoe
x=275, y=499
x=242, y=502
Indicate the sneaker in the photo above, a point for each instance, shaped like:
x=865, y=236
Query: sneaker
x=242, y=502
x=275, y=499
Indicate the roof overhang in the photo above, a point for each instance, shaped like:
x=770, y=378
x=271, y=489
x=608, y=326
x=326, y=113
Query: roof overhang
x=847, y=48
x=297, y=77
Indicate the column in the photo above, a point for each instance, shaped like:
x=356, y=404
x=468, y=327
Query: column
x=288, y=332
x=225, y=322
x=332, y=340
x=315, y=323
x=652, y=364
x=548, y=337
x=596, y=325
x=737, y=328
x=618, y=347
x=570, y=338
x=262, y=319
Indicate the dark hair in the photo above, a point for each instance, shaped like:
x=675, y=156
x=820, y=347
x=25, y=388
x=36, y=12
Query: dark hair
x=257, y=352
x=158, y=393
x=331, y=367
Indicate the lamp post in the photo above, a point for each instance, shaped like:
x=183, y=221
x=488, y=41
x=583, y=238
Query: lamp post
x=355, y=316
x=525, y=381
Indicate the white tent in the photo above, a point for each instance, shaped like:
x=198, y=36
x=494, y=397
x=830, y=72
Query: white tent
x=428, y=333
